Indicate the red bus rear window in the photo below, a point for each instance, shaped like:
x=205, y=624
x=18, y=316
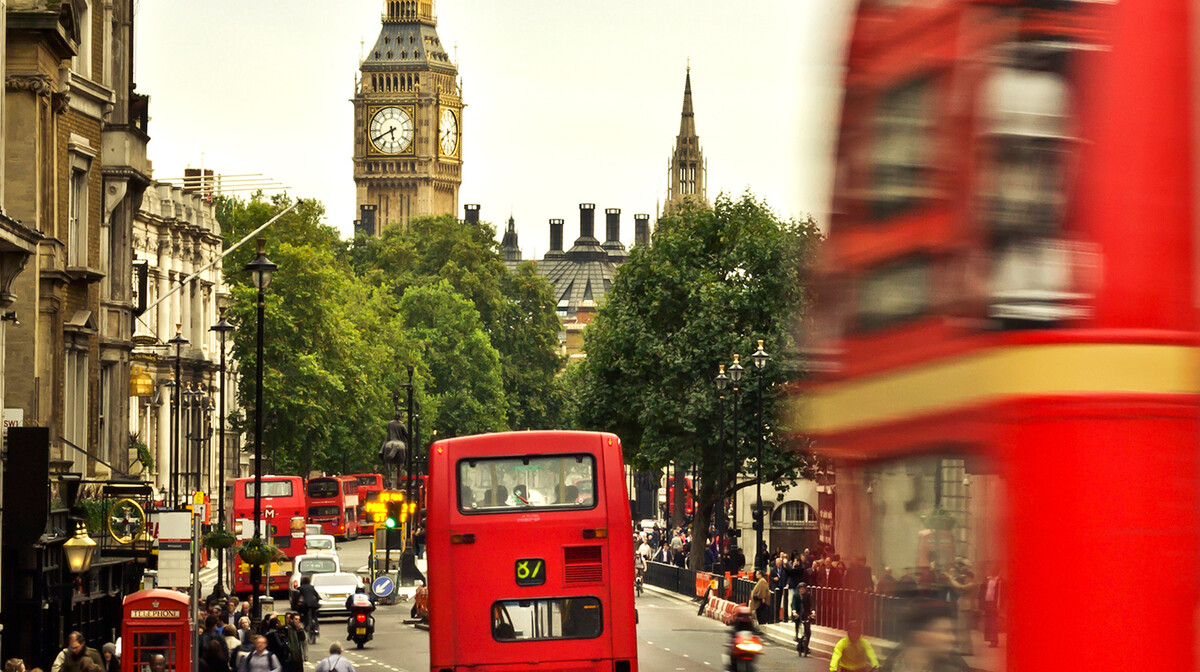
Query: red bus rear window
x=322, y=510
x=322, y=489
x=546, y=618
x=513, y=484
x=271, y=489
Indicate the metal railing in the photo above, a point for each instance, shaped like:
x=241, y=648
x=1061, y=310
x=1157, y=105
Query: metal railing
x=669, y=577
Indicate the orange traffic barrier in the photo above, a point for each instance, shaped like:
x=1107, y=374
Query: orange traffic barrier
x=702, y=582
x=728, y=586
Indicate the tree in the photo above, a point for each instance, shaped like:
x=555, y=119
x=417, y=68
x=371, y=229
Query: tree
x=712, y=282
x=330, y=347
x=467, y=395
x=516, y=310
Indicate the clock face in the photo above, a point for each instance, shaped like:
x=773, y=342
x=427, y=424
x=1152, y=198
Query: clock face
x=391, y=130
x=449, y=135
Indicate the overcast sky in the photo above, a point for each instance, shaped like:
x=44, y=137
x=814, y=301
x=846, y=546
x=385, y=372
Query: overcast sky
x=568, y=101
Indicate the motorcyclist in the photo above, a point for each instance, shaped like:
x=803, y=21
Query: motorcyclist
x=366, y=601
x=743, y=621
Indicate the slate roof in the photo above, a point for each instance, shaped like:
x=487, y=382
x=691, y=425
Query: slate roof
x=414, y=45
x=583, y=273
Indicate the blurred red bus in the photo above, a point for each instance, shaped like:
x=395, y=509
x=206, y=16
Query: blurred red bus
x=369, y=487
x=333, y=504
x=282, y=506
x=562, y=597
x=1006, y=330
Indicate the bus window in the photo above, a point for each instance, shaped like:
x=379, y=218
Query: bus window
x=492, y=484
x=547, y=618
x=271, y=488
x=322, y=489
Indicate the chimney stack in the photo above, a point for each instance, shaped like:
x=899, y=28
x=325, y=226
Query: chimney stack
x=612, y=217
x=472, y=213
x=556, y=237
x=587, y=220
x=641, y=230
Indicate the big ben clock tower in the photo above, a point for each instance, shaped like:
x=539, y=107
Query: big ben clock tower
x=407, y=121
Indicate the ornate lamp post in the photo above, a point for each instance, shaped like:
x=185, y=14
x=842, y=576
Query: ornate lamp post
x=760, y=358
x=222, y=327
x=260, y=271
x=735, y=377
x=176, y=408
x=721, y=382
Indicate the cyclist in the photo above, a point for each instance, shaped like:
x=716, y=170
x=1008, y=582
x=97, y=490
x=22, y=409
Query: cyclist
x=310, y=602
x=853, y=652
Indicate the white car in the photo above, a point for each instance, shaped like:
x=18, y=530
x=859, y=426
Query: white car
x=312, y=529
x=334, y=588
x=310, y=565
x=320, y=544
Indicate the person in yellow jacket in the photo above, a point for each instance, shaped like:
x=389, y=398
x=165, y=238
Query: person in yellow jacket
x=853, y=652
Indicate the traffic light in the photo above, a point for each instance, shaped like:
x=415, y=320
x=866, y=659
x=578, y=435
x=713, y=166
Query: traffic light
x=394, y=502
x=393, y=514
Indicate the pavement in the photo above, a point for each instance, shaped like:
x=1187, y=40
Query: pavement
x=987, y=659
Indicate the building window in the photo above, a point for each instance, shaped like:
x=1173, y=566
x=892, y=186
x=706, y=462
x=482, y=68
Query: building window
x=794, y=514
x=82, y=62
x=902, y=148
x=104, y=447
x=75, y=398
x=77, y=219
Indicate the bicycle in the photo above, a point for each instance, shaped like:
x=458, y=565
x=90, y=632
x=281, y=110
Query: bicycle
x=637, y=583
x=313, y=626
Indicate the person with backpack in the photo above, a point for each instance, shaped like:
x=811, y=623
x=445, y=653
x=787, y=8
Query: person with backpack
x=335, y=662
x=260, y=659
x=71, y=658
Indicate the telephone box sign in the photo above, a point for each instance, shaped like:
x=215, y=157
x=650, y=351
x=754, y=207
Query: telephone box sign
x=154, y=613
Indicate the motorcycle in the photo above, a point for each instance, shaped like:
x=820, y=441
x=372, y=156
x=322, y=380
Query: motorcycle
x=743, y=650
x=360, y=627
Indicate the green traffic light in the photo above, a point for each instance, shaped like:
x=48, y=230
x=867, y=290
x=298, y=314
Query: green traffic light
x=391, y=522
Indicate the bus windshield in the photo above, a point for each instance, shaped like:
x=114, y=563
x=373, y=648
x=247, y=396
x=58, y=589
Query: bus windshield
x=518, y=483
x=323, y=488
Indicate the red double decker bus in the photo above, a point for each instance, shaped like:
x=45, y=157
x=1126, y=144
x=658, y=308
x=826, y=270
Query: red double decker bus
x=333, y=504
x=282, y=509
x=369, y=487
x=563, y=596
x=1008, y=308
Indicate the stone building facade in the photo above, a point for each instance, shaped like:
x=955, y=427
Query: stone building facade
x=75, y=149
x=176, y=235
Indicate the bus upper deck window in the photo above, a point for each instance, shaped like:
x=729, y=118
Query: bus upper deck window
x=517, y=483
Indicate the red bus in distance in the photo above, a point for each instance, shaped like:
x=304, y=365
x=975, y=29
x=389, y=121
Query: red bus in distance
x=283, y=508
x=333, y=504
x=369, y=487
x=562, y=596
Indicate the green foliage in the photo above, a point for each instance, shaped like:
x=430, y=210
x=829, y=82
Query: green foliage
x=343, y=320
x=712, y=283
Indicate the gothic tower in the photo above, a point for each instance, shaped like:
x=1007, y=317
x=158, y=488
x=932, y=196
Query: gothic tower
x=407, y=121
x=687, y=179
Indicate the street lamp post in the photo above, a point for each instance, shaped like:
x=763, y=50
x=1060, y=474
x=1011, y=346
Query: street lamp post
x=260, y=270
x=735, y=377
x=176, y=407
x=222, y=327
x=760, y=358
x=721, y=381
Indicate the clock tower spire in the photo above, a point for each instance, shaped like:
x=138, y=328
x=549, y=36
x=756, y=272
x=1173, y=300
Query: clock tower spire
x=687, y=178
x=407, y=122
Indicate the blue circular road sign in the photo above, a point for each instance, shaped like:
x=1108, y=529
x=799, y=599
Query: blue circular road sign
x=383, y=586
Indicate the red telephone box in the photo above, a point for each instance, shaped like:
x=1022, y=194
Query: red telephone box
x=157, y=622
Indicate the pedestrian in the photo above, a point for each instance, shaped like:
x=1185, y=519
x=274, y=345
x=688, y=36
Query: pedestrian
x=297, y=643
x=858, y=576
x=232, y=644
x=158, y=663
x=210, y=634
x=966, y=591
x=778, y=580
x=420, y=538
x=71, y=657
x=928, y=641
x=244, y=633
x=335, y=662
x=853, y=652
x=260, y=659
x=887, y=583
x=216, y=656
x=991, y=596
x=14, y=665
x=760, y=596
x=112, y=663
x=803, y=615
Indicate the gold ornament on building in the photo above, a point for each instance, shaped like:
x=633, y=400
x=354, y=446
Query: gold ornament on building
x=126, y=519
x=141, y=384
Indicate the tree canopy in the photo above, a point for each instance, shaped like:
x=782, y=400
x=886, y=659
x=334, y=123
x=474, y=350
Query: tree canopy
x=711, y=284
x=343, y=321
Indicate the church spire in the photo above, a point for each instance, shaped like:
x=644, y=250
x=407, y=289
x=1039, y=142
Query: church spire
x=687, y=179
x=687, y=121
